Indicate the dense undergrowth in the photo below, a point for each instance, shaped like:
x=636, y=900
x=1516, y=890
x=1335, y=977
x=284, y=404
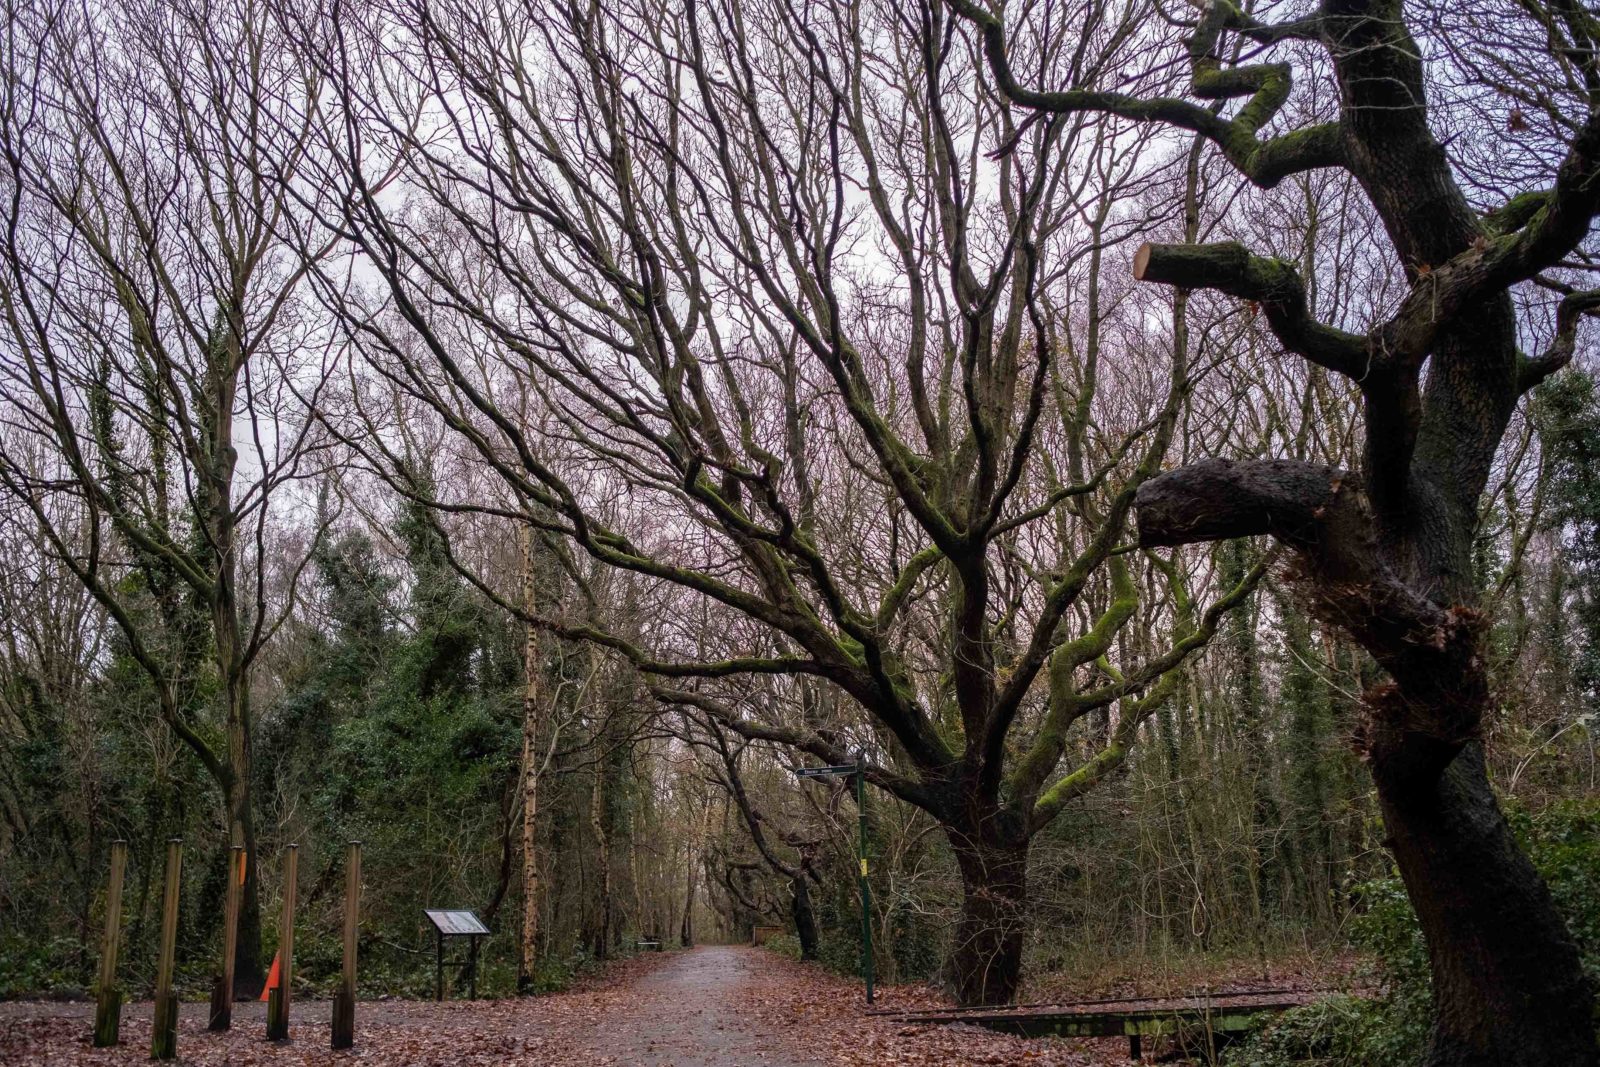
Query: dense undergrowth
x=1390, y=1029
x=54, y=970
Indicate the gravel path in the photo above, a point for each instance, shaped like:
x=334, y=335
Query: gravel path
x=695, y=1012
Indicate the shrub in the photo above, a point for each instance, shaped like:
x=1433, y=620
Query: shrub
x=784, y=945
x=47, y=968
x=1563, y=841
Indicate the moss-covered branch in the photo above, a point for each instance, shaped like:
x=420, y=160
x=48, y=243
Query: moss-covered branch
x=1228, y=267
x=1064, y=708
x=1264, y=162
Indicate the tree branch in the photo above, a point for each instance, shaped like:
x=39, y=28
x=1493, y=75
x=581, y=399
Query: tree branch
x=1229, y=268
x=1263, y=162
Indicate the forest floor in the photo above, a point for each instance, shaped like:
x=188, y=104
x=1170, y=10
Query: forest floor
x=715, y=1006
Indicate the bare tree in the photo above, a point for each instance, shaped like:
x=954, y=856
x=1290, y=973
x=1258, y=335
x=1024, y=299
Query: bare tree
x=1508, y=199
x=151, y=330
x=816, y=363
x=788, y=852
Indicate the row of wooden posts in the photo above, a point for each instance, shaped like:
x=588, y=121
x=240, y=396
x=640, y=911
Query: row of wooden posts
x=164, y=1042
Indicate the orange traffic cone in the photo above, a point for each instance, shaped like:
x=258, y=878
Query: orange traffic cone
x=272, y=978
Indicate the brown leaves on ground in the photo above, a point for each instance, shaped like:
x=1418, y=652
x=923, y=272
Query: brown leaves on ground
x=828, y=1016
x=712, y=1007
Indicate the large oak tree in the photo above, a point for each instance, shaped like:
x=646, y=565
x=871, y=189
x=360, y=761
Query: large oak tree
x=1508, y=198
x=816, y=326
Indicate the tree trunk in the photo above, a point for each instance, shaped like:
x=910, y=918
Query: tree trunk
x=532, y=765
x=528, y=947
x=986, y=962
x=1507, y=981
x=600, y=938
x=686, y=930
x=217, y=463
x=805, y=919
x=508, y=852
x=248, y=974
x=692, y=855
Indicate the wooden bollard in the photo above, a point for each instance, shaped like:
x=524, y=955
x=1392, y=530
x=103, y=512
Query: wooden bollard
x=222, y=991
x=278, y=999
x=108, y=1003
x=344, y=1001
x=164, y=1036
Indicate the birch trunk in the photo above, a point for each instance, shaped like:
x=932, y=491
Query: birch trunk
x=532, y=765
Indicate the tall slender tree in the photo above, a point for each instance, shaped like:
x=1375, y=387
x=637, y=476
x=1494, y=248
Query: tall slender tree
x=149, y=312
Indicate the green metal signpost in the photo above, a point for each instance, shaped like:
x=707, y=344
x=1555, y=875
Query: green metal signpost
x=857, y=770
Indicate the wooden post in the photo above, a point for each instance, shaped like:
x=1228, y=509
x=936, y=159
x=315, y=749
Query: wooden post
x=164, y=1036
x=438, y=965
x=472, y=968
x=108, y=1006
x=222, y=991
x=278, y=1000
x=344, y=1001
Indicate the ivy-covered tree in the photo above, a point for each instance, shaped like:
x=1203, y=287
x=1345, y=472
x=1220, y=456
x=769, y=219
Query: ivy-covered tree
x=1568, y=417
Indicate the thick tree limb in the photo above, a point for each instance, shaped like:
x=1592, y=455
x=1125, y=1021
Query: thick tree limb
x=1431, y=650
x=1229, y=268
x=1265, y=162
x=1217, y=499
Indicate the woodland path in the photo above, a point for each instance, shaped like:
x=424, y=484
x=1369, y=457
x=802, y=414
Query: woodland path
x=714, y=1006
x=696, y=1012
